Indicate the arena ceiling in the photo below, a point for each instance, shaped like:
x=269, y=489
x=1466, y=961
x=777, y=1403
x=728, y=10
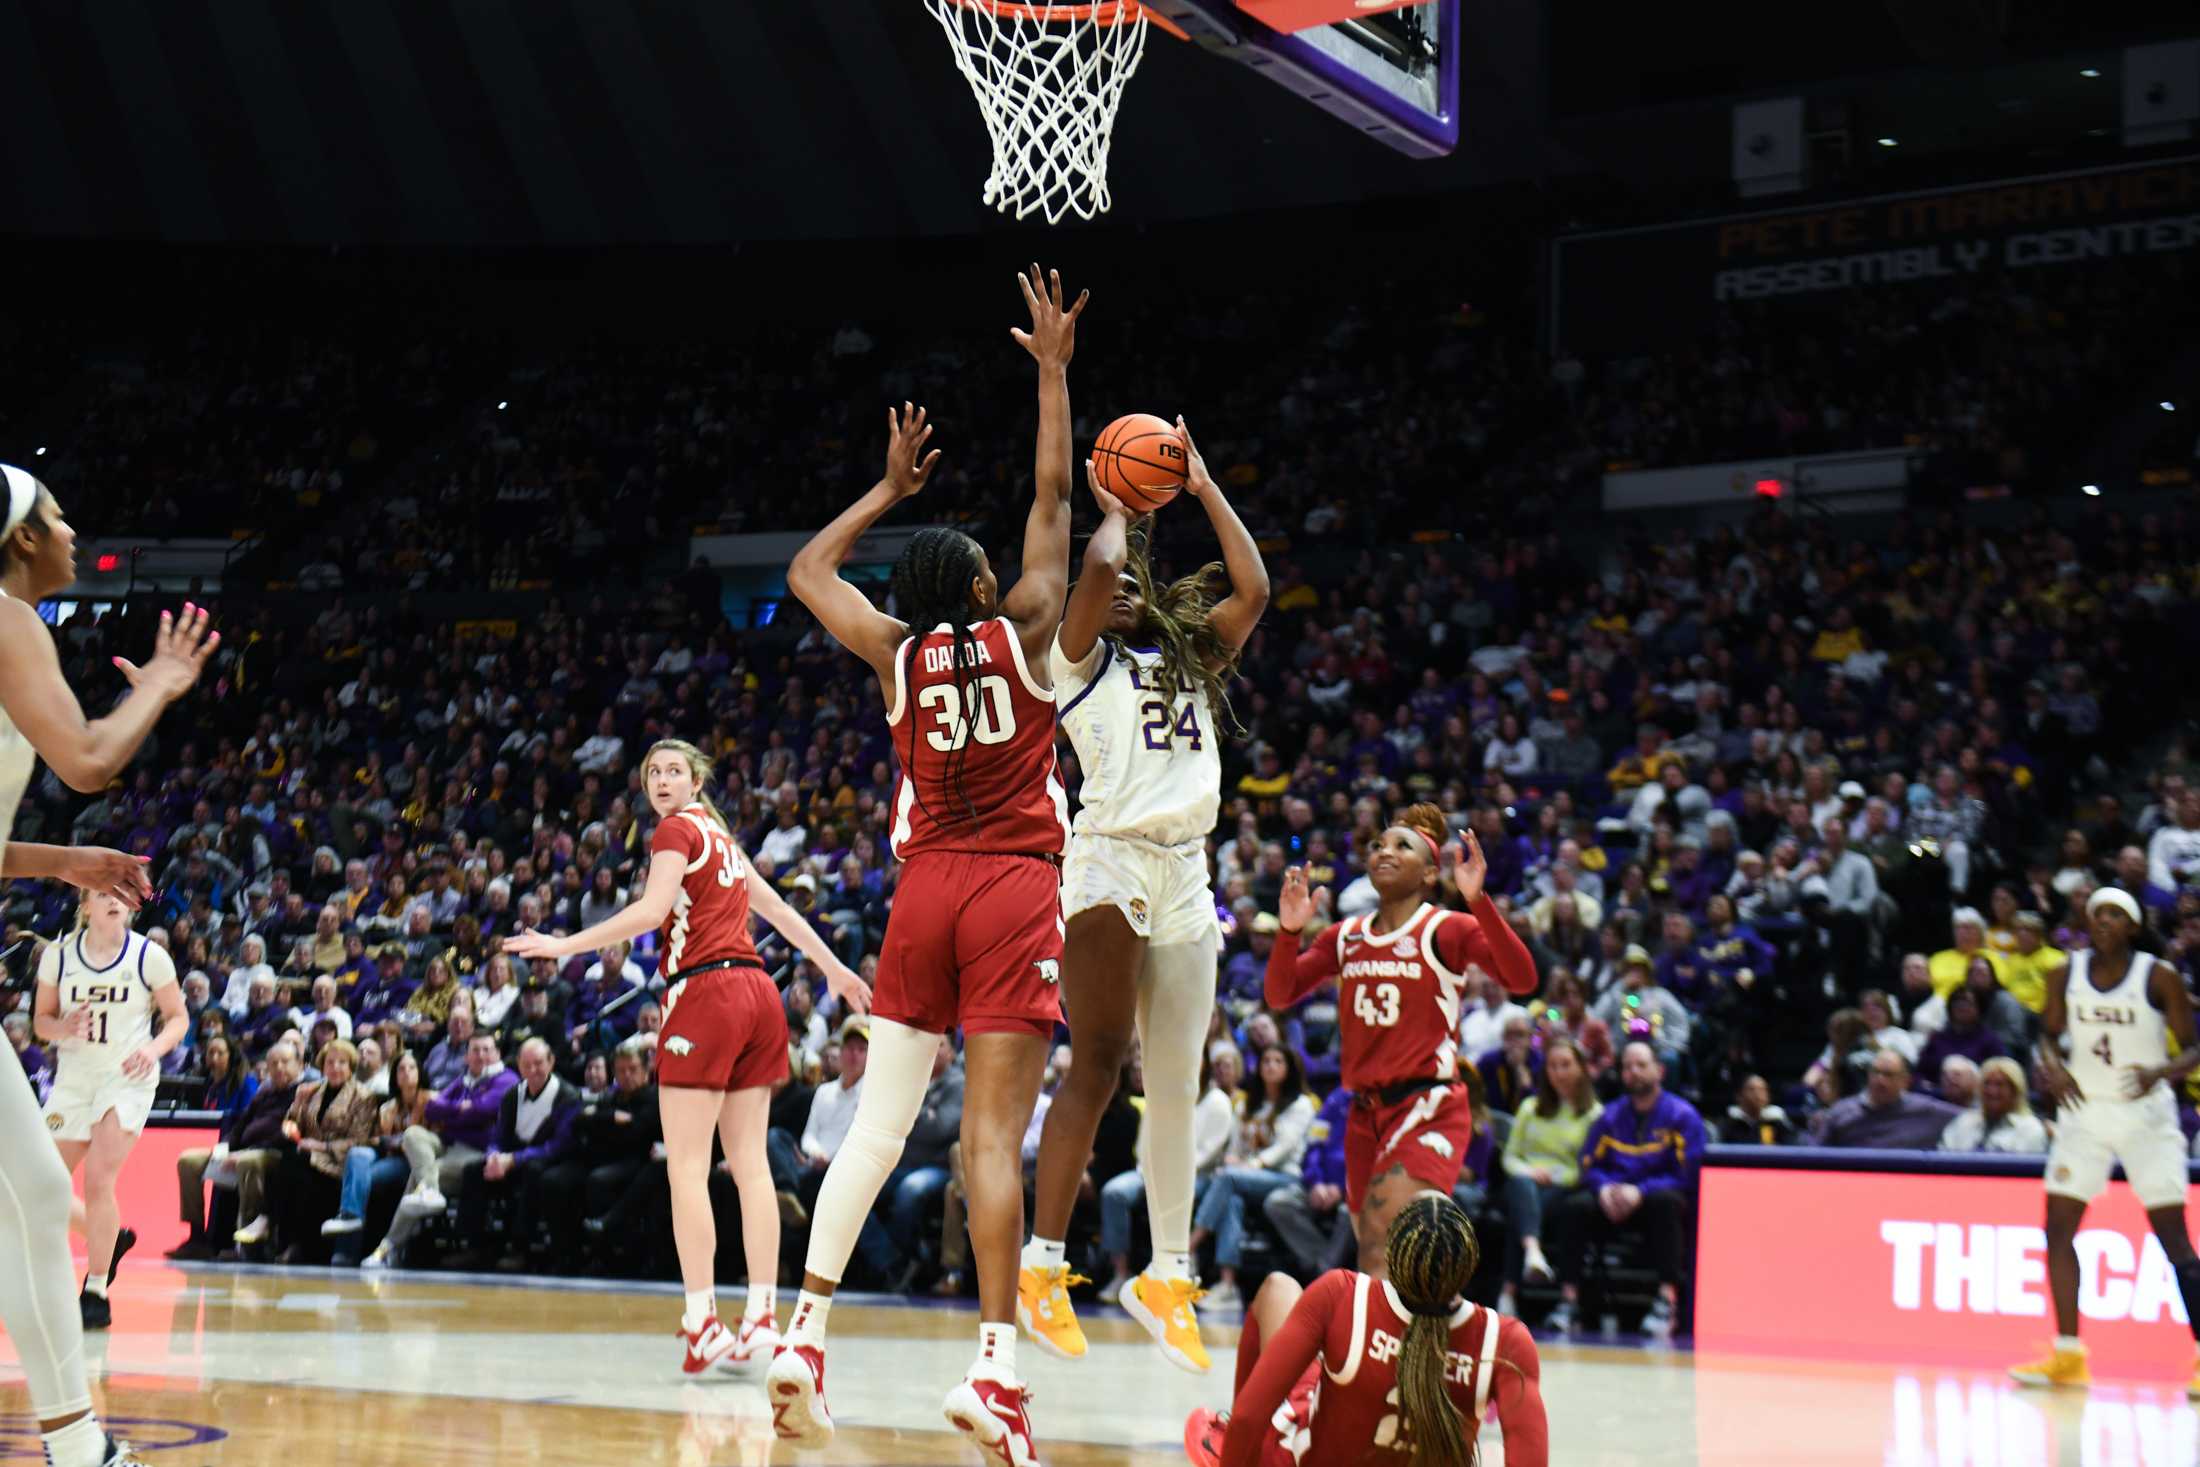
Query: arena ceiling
x=579, y=122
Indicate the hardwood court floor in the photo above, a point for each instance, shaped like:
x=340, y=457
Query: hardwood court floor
x=240, y=1366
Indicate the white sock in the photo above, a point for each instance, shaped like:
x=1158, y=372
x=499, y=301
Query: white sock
x=96, y=1285
x=2069, y=1345
x=808, y=1324
x=763, y=1300
x=1039, y=1253
x=996, y=1351
x=1170, y=1266
x=700, y=1307
x=79, y=1444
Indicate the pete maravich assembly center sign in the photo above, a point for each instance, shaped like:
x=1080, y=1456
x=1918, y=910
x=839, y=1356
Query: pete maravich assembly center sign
x=1637, y=289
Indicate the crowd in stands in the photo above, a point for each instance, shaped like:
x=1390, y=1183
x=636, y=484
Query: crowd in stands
x=1744, y=793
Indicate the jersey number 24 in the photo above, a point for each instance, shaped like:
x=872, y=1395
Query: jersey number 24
x=1163, y=727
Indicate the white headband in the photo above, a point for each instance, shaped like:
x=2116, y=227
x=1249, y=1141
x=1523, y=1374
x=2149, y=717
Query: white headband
x=22, y=496
x=2110, y=896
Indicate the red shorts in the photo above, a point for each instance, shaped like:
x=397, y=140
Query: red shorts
x=1291, y=1430
x=725, y=1030
x=974, y=941
x=1427, y=1133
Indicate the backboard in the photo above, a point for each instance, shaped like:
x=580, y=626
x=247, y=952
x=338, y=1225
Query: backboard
x=1390, y=70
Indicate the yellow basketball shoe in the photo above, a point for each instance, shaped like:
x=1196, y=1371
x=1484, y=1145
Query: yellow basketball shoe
x=2060, y=1368
x=2193, y=1389
x=1164, y=1307
x=1043, y=1309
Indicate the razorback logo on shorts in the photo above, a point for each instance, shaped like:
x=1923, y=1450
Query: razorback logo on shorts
x=1436, y=1142
x=1050, y=971
x=679, y=1044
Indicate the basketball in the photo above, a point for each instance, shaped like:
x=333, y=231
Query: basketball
x=1139, y=459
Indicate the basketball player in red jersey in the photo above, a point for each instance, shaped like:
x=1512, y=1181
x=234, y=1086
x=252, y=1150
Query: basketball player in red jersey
x=980, y=820
x=1400, y=974
x=1359, y=1369
x=724, y=1041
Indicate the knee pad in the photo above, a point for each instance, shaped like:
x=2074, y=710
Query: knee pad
x=872, y=1144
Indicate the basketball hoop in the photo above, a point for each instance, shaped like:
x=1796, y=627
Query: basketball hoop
x=1048, y=79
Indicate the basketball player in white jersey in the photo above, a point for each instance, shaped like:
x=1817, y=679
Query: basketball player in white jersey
x=1140, y=672
x=2118, y=1091
x=99, y=989
x=40, y=717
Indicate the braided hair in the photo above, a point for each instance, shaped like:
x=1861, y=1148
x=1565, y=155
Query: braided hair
x=931, y=585
x=1431, y=1257
x=1178, y=618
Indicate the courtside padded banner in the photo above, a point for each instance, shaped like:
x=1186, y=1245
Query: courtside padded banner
x=1656, y=287
x=1927, y=1270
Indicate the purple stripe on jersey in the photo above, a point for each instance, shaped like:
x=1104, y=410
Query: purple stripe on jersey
x=1107, y=656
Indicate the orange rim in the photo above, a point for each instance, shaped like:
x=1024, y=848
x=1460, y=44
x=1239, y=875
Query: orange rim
x=1103, y=12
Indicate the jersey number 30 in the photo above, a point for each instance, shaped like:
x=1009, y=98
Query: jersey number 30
x=994, y=723
x=1377, y=1006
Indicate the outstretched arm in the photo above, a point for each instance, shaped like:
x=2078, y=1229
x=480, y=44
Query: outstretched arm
x=1239, y=613
x=766, y=902
x=1034, y=604
x=814, y=575
x=1106, y=553
x=1294, y=973
x=88, y=753
x=91, y=868
x=666, y=871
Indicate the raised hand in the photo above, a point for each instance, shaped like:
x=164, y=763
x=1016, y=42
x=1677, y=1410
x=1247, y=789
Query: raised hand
x=180, y=650
x=1109, y=504
x=1197, y=480
x=1295, y=907
x=1052, y=338
x=908, y=466
x=1470, y=869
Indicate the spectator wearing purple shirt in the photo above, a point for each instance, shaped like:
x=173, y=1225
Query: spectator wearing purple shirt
x=1888, y=1114
x=457, y=1127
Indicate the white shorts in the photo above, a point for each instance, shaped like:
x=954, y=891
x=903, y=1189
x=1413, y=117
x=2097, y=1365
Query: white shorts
x=2142, y=1134
x=81, y=1096
x=1160, y=890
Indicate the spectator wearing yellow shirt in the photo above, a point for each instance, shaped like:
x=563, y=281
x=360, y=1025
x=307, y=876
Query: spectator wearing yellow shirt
x=1951, y=963
x=1643, y=762
x=2024, y=971
x=1840, y=640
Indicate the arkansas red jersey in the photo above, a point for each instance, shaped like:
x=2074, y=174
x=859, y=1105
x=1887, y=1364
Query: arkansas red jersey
x=977, y=755
x=1398, y=993
x=1325, y=1389
x=709, y=920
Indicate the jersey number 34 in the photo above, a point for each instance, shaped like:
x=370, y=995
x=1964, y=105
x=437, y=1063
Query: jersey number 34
x=725, y=853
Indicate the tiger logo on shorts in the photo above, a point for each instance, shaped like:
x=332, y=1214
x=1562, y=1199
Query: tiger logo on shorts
x=1138, y=912
x=55, y=1122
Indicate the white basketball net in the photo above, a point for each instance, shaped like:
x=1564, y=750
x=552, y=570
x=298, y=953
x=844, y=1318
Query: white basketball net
x=1048, y=80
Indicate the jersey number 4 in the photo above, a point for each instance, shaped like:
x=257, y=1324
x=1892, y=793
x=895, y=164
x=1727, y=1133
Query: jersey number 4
x=994, y=721
x=1377, y=1006
x=2105, y=1052
x=1163, y=726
